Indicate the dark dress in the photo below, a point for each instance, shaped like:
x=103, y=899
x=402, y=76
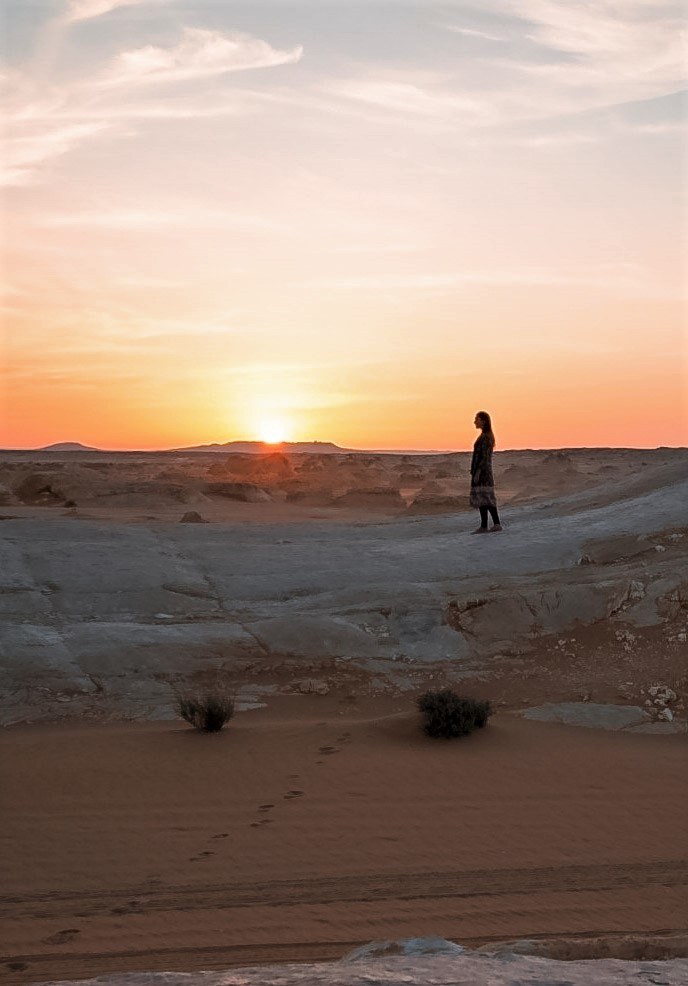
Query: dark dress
x=482, y=480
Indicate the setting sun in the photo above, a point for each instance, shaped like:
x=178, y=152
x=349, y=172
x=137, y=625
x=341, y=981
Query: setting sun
x=273, y=431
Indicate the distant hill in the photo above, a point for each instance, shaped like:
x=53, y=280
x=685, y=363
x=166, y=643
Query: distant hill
x=245, y=448
x=68, y=447
x=319, y=448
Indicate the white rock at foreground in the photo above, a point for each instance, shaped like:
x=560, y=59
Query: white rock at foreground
x=590, y=714
x=457, y=970
x=404, y=946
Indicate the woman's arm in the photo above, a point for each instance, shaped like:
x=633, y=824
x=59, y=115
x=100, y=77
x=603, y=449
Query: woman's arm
x=480, y=457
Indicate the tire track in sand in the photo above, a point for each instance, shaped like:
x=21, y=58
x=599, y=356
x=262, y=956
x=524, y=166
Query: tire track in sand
x=351, y=889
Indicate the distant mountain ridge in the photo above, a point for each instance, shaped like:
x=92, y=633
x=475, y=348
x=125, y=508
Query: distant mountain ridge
x=242, y=448
x=320, y=448
x=68, y=447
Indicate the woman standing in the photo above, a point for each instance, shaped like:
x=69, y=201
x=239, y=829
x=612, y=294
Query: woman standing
x=482, y=480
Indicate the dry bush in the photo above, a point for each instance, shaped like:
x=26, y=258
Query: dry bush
x=446, y=714
x=207, y=713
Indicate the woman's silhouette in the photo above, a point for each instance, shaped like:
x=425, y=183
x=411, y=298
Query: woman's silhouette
x=482, y=480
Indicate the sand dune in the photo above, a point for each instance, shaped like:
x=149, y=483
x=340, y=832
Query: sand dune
x=153, y=847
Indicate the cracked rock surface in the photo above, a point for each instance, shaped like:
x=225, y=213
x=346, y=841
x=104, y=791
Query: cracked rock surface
x=92, y=604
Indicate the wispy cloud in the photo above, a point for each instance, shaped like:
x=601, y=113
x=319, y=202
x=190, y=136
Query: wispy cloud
x=613, y=53
x=660, y=128
x=555, y=58
x=622, y=276
x=24, y=152
x=46, y=123
x=644, y=29
x=82, y=10
x=200, y=54
x=136, y=106
x=378, y=248
x=406, y=97
x=470, y=32
x=199, y=217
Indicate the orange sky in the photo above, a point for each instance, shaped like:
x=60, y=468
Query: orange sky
x=253, y=220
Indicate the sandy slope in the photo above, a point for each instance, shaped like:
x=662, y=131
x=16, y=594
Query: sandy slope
x=302, y=831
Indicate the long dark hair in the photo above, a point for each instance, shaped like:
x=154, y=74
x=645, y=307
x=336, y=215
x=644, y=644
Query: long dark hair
x=487, y=426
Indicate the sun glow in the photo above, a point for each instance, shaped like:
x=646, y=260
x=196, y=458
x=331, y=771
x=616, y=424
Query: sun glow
x=273, y=431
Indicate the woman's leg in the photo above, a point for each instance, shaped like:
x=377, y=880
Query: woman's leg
x=483, y=516
x=494, y=515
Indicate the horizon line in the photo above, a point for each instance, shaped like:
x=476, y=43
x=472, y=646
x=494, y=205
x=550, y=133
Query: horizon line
x=277, y=446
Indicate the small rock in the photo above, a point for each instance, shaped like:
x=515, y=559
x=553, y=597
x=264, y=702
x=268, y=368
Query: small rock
x=636, y=590
x=666, y=714
x=193, y=517
x=312, y=686
x=585, y=560
x=662, y=693
x=660, y=548
x=682, y=637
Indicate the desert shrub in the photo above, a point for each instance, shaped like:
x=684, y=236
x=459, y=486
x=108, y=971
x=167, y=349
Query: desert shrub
x=446, y=714
x=208, y=713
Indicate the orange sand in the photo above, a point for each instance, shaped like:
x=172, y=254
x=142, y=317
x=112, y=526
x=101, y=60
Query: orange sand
x=310, y=827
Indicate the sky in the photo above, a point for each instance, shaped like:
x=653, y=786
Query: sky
x=344, y=220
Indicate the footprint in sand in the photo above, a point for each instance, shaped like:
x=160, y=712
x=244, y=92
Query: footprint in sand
x=220, y=835
x=265, y=807
x=293, y=794
x=62, y=937
x=263, y=821
x=201, y=855
x=327, y=751
x=131, y=907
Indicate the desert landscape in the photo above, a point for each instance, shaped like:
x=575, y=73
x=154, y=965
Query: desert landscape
x=325, y=591
x=296, y=295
